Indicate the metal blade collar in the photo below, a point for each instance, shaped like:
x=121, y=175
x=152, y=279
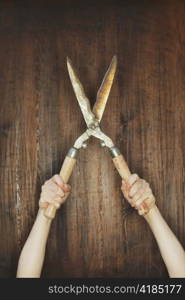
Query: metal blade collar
x=95, y=131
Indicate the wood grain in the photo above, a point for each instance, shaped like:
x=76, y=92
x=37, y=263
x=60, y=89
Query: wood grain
x=96, y=233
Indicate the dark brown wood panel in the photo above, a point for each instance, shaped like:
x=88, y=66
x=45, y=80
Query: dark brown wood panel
x=95, y=233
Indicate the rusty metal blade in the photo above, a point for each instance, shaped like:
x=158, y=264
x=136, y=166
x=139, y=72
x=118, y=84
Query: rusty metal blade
x=104, y=90
x=83, y=101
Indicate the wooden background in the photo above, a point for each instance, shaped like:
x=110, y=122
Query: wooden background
x=95, y=233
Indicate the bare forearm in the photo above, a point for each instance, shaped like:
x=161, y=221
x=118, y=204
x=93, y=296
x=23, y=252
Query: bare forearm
x=170, y=248
x=32, y=255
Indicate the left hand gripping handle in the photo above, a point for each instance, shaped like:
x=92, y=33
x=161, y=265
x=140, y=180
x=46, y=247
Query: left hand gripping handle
x=65, y=173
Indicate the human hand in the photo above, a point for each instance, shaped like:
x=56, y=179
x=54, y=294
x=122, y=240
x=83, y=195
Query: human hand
x=138, y=193
x=54, y=191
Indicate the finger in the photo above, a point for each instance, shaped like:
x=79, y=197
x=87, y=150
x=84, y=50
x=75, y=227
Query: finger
x=146, y=205
x=42, y=198
x=63, y=186
x=46, y=182
x=60, y=192
x=48, y=195
x=50, y=186
x=43, y=204
x=141, y=199
x=51, y=189
x=66, y=187
x=141, y=211
x=58, y=180
x=152, y=203
x=125, y=194
x=56, y=204
x=140, y=194
x=124, y=188
x=137, y=185
x=132, y=178
x=60, y=200
x=65, y=197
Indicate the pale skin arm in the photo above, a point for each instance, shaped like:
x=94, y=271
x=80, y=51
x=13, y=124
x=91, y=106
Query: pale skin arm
x=137, y=190
x=55, y=192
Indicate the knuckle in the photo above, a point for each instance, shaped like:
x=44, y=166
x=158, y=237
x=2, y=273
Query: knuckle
x=134, y=198
x=137, y=205
x=149, y=190
x=138, y=183
x=130, y=194
x=135, y=175
x=62, y=193
x=153, y=199
x=142, y=181
x=55, y=176
x=147, y=187
x=41, y=200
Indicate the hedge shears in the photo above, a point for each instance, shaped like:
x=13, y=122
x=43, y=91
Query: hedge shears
x=92, y=119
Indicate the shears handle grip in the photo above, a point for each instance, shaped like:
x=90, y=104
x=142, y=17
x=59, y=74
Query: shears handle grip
x=121, y=167
x=124, y=172
x=65, y=173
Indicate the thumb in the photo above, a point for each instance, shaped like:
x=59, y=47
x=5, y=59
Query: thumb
x=125, y=188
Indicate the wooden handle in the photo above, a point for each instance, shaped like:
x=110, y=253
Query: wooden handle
x=124, y=172
x=121, y=167
x=65, y=173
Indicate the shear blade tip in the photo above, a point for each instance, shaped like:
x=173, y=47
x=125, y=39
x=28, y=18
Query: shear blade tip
x=114, y=59
x=68, y=61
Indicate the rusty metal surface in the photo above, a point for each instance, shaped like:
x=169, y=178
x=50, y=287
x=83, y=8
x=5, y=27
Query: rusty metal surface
x=104, y=90
x=80, y=94
x=92, y=123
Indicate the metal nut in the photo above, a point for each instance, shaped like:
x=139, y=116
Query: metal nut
x=102, y=144
x=84, y=145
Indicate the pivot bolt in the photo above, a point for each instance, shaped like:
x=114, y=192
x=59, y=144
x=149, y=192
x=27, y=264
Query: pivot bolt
x=102, y=144
x=84, y=145
x=93, y=126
